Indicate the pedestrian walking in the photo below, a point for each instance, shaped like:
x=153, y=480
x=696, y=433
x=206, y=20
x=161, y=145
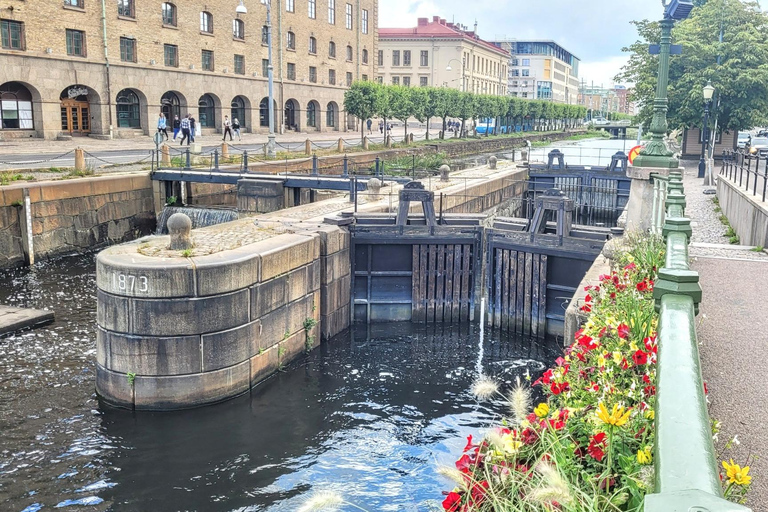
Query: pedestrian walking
x=369, y=123
x=162, y=127
x=236, y=128
x=227, y=129
x=192, y=127
x=185, y=133
x=176, y=126
x=381, y=127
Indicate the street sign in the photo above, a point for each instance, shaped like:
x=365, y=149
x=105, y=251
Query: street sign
x=158, y=139
x=633, y=153
x=674, y=49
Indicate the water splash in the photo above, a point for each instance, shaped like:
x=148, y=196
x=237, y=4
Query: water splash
x=200, y=217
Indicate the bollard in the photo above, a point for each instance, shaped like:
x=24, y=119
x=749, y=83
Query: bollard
x=351, y=190
x=374, y=189
x=187, y=159
x=308, y=147
x=245, y=161
x=340, y=145
x=314, y=165
x=166, y=155
x=224, y=150
x=365, y=142
x=345, y=169
x=79, y=159
x=444, y=172
x=377, y=171
x=492, y=162
x=179, y=227
x=216, y=159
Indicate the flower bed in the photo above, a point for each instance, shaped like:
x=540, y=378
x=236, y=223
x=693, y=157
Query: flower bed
x=589, y=444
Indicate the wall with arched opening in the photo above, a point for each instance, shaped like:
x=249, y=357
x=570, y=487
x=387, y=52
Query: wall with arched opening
x=313, y=117
x=332, y=116
x=80, y=111
x=240, y=108
x=132, y=115
x=292, y=116
x=21, y=113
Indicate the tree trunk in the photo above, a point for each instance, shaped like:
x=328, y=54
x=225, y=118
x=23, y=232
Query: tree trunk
x=445, y=126
x=427, y=134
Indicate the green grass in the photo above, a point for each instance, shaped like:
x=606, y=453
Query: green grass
x=406, y=163
x=759, y=248
x=7, y=177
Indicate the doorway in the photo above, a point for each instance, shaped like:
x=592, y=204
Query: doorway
x=75, y=116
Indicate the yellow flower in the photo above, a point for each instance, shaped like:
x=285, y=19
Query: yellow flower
x=736, y=474
x=650, y=414
x=633, y=346
x=630, y=258
x=617, y=417
x=601, y=361
x=644, y=456
x=541, y=410
x=617, y=356
x=510, y=443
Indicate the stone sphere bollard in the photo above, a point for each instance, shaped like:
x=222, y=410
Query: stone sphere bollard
x=179, y=226
x=492, y=162
x=374, y=188
x=444, y=172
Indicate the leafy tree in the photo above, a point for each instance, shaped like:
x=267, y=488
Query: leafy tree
x=740, y=80
x=401, y=107
x=422, y=107
x=361, y=100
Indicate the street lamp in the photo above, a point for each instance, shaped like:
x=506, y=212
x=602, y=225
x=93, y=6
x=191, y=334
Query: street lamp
x=240, y=9
x=708, y=92
x=656, y=153
x=448, y=68
x=270, y=76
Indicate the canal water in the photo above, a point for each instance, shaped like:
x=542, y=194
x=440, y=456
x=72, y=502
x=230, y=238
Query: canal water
x=370, y=414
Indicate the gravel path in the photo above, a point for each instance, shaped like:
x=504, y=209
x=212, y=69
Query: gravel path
x=732, y=333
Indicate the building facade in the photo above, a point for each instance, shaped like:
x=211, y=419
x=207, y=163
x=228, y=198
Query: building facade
x=601, y=101
x=441, y=54
x=107, y=69
x=541, y=70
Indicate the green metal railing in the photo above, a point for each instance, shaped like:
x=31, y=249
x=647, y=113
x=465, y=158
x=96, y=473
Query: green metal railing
x=687, y=474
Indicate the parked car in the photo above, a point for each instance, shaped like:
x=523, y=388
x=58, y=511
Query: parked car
x=598, y=121
x=743, y=140
x=758, y=147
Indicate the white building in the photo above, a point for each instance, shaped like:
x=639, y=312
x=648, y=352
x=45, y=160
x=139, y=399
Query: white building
x=541, y=70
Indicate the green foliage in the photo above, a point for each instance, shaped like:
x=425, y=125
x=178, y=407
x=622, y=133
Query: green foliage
x=186, y=253
x=759, y=248
x=740, y=80
x=131, y=378
x=309, y=323
x=423, y=162
x=17, y=203
x=171, y=201
x=369, y=99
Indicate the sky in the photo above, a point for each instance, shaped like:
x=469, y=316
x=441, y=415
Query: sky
x=593, y=30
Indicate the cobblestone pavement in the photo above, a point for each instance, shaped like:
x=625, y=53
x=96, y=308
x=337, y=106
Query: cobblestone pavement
x=733, y=334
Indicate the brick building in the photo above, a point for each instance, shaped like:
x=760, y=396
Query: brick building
x=86, y=67
x=441, y=54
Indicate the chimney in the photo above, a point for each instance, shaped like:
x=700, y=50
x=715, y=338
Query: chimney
x=442, y=21
x=435, y=19
x=423, y=22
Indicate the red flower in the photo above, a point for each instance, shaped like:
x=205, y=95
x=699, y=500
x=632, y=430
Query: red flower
x=594, y=387
x=624, y=364
x=478, y=492
x=706, y=391
x=464, y=464
x=640, y=358
x=469, y=444
x=529, y=436
x=615, y=279
x=631, y=266
x=586, y=308
x=623, y=331
x=613, y=295
x=596, y=448
x=642, y=286
x=587, y=298
x=646, y=379
x=559, y=388
x=649, y=390
x=650, y=344
x=452, y=502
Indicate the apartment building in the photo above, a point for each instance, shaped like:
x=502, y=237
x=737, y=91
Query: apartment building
x=541, y=70
x=601, y=100
x=441, y=54
x=107, y=69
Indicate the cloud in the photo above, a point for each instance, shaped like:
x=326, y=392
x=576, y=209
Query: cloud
x=595, y=30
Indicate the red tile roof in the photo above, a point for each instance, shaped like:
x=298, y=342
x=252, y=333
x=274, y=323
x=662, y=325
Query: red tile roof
x=438, y=28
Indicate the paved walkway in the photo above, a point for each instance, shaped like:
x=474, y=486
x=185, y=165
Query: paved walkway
x=733, y=335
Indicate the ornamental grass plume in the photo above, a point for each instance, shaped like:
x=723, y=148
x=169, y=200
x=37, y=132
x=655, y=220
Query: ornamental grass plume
x=520, y=403
x=454, y=475
x=484, y=387
x=554, y=488
x=322, y=500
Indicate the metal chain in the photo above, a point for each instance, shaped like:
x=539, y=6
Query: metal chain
x=38, y=161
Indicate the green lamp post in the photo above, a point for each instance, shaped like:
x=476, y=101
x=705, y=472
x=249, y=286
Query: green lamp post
x=656, y=153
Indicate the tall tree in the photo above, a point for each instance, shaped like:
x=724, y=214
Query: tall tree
x=402, y=108
x=741, y=78
x=422, y=105
x=361, y=100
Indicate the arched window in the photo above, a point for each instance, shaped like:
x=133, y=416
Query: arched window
x=206, y=22
x=291, y=42
x=238, y=110
x=349, y=53
x=330, y=115
x=238, y=29
x=170, y=105
x=264, y=112
x=311, y=114
x=265, y=35
x=16, y=107
x=206, y=111
x=128, y=115
x=312, y=45
x=332, y=49
x=365, y=56
x=169, y=14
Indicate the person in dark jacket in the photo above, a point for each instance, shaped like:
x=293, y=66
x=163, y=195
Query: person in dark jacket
x=176, y=126
x=192, y=128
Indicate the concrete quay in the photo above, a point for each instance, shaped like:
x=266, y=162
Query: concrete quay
x=14, y=319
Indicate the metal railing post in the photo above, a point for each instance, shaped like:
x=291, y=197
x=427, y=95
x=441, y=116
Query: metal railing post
x=377, y=171
x=345, y=170
x=245, y=161
x=216, y=159
x=314, y=164
x=187, y=159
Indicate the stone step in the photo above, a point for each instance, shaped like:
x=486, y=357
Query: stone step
x=13, y=319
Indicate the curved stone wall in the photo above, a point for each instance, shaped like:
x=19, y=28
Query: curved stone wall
x=177, y=332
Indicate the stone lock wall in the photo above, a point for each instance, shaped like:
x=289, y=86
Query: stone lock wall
x=183, y=332
x=75, y=216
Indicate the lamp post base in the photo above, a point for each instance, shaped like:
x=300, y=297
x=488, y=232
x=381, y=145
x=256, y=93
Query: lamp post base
x=702, y=168
x=661, y=162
